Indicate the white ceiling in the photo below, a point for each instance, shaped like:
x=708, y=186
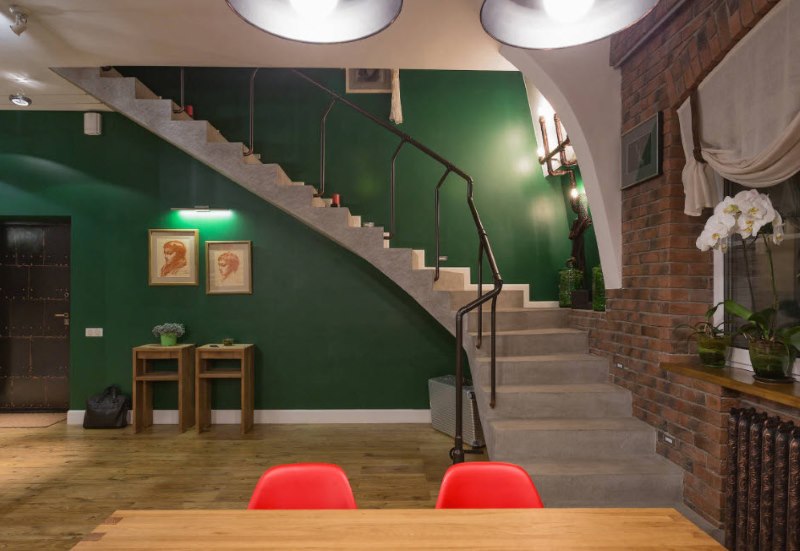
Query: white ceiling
x=428, y=34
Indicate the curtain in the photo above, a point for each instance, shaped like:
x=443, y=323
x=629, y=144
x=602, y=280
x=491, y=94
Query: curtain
x=749, y=113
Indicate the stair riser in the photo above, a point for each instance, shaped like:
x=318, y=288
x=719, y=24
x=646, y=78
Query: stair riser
x=520, y=445
x=528, y=319
x=546, y=373
x=532, y=345
x=631, y=490
x=582, y=405
x=506, y=299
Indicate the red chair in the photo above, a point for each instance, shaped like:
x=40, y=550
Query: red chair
x=303, y=486
x=487, y=485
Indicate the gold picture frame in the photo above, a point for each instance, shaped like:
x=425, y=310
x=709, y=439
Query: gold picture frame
x=229, y=267
x=173, y=257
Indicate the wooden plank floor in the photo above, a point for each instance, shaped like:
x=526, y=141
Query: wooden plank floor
x=58, y=483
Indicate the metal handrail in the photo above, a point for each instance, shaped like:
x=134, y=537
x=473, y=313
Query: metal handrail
x=484, y=248
x=252, y=111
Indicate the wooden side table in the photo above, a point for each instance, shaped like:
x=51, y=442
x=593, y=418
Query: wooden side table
x=144, y=376
x=203, y=358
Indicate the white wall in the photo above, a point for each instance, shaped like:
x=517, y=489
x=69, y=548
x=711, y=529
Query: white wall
x=586, y=93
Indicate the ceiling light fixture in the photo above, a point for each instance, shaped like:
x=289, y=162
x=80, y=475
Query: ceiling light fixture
x=547, y=24
x=20, y=20
x=319, y=21
x=20, y=99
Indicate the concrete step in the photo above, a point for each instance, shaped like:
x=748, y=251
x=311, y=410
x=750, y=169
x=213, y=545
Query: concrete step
x=508, y=298
x=520, y=440
x=509, y=319
x=593, y=400
x=532, y=342
x=321, y=202
x=450, y=279
x=647, y=481
x=545, y=369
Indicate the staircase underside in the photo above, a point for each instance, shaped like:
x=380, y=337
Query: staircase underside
x=556, y=413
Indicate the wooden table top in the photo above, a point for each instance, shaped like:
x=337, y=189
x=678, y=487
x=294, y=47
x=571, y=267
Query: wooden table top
x=501, y=529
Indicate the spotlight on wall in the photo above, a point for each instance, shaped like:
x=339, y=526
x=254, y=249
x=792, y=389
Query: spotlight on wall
x=559, y=23
x=20, y=20
x=20, y=100
x=319, y=21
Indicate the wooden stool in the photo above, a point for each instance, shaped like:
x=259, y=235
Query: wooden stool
x=203, y=358
x=144, y=376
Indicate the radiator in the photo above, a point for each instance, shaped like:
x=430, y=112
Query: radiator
x=762, y=489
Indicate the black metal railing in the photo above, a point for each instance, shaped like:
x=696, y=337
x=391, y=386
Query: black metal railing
x=485, y=253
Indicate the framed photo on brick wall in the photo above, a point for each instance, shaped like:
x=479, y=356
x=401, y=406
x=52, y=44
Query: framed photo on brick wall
x=641, y=152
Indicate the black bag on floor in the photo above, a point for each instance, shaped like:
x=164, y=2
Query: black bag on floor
x=107, y=410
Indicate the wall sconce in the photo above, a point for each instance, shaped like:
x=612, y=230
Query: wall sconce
x=319, y=21
x=202, y=211
x=20, y=20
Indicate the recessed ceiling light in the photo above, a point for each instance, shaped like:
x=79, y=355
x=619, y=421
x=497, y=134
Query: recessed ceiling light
x=319, y=21
x=559, y=23
x=20, y=99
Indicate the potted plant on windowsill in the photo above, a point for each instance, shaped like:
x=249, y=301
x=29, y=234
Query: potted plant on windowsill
x=169, y=333
x=750, y=215
x=712, y=340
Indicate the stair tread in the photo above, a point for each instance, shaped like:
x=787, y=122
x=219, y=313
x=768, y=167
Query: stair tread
x=566, y=424
x=543, y=358
x=585, y=388
x=622, y=466
x=544, y=331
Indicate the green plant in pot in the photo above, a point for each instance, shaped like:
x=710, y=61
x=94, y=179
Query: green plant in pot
x=750, y=216
x=169, y=333
x=712, y=340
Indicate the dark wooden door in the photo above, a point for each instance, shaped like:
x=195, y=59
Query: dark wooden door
x=34, y=315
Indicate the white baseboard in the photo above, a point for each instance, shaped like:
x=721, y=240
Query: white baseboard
x=289, y=416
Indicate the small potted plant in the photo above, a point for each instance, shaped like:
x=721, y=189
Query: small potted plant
x=712, y=340
x=169, y=333
x=750, y=215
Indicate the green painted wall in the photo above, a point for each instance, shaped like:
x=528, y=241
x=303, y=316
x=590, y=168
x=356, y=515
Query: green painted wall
x=479, y=120
x=331, y=331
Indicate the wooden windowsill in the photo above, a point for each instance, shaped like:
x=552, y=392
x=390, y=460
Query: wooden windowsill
x=740, y=380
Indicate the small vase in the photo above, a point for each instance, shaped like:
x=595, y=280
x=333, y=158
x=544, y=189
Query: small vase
x=771, y=361
x=712, y=349
x=169, y=339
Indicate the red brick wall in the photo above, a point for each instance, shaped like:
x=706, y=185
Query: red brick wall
x=666, y=280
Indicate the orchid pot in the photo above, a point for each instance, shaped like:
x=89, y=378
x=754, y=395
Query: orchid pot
x=713, y=349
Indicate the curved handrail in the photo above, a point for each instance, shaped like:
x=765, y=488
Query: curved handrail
x=484, y=247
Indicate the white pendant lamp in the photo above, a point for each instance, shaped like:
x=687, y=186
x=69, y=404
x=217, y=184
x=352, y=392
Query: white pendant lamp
x=546, y=24
x=319, y=21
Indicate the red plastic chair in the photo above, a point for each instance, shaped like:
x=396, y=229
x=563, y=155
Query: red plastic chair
x=487, y=485
x=303, y=486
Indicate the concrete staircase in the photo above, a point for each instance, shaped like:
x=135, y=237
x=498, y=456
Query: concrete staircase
x=556, y=415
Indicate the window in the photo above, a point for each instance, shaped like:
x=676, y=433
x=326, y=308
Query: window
x=785, y=198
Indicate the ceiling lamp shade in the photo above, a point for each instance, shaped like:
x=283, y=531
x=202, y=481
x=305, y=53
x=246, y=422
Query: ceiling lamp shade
x=319, y=21
x=546, y=24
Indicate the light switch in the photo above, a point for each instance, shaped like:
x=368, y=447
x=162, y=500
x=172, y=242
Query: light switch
x=94, y=331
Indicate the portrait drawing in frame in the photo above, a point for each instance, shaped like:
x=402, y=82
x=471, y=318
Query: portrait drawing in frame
x=229, y=267
x=172, y=258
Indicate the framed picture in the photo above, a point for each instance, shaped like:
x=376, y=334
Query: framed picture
x=173, y=257
x=229, y=267
x=368, y=81
x=641, y=152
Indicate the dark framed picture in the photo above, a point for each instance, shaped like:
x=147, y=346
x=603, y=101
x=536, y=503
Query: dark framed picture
x=369, y=81
x=229, y=268
x=172, y=257
x=641, y=152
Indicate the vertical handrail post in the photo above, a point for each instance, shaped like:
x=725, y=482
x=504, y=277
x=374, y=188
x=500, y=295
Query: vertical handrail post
x=252, y=111
x=479, y=341
x=323, y=124
x=181, y=108
x=437, y=220
x=493, y=399
x=392, y=228
x=457, y=453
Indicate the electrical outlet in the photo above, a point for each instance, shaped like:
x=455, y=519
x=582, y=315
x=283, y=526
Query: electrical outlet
x=94, y=331
x=669, y=439
x=619, y=366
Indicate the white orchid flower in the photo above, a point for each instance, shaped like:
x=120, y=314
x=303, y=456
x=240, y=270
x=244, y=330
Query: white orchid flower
x=716, y=230
x=727, y=206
